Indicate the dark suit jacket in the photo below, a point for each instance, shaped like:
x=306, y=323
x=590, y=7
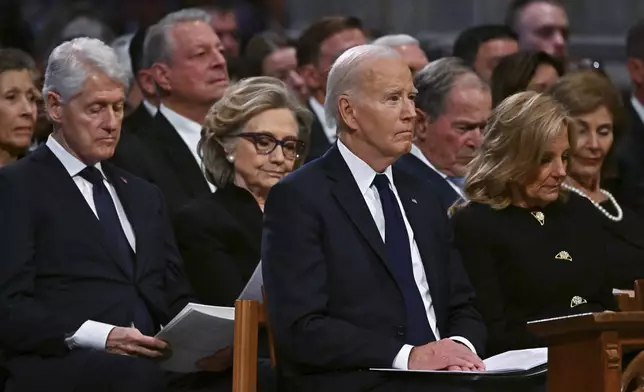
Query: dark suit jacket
x=418, y=168
x=167, y=162
x=319, y=142
x=219, y=237
x=132, y=155
x=512, y=262
x=624, y=243
x=58, y=269
x=137, y=119
x=334, y=305
x=631, y=152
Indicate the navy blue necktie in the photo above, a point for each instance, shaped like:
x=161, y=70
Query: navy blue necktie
x=399, y=260
x=111, y=223
x=458, y=181
x=108, y=217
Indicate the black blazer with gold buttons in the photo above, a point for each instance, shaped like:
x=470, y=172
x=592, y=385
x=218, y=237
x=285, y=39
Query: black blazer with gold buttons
x=532, y=264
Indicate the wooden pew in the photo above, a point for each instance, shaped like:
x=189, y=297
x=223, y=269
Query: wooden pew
x=250, y=317
x=632, y=300
x=585, y=351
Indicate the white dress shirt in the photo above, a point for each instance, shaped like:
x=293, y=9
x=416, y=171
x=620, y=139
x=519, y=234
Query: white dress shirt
x=415, y=151
x=318, y=110
x=92, y=334
x=188, y=130
x=364, y=176
x=152, y=109
x=639, y=108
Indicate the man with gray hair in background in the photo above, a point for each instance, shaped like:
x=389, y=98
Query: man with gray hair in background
x=452, y=108
x=186, y=60
x=89, y=269
x=409, y=49
x=349, y=286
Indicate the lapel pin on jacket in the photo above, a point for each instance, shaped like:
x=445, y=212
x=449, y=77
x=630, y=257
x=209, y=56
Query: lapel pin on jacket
x=539, y=216
x=576, y=301
x=414, y=201
x=124, y=180
x=563, y=255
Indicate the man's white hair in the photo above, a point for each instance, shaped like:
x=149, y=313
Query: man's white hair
x=71, y=62
x=344, y=76
x=158, y=44
x=393, y=40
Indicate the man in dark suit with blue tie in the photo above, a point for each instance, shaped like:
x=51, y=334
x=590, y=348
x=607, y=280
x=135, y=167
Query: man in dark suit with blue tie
x=357, y=263
x=89, y=267
x=452, y=107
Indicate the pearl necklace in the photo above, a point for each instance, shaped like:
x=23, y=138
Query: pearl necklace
x=620, y=213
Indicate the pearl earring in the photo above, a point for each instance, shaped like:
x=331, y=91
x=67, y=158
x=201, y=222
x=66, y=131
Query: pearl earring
x=230, y=158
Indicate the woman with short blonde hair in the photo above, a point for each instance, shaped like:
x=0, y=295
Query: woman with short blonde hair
x=251, y=138
x=518, y=235
x=516, y=138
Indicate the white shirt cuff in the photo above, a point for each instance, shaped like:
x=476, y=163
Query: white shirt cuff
x=466, y=342
x=402, y=358
x=91, y=335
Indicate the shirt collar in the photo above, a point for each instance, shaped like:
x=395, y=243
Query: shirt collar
x=361, y=171
x=179, y=122
x=639, y=108
x=152, y=109
x=415, y=151
x=72, y=164
x=318, y=109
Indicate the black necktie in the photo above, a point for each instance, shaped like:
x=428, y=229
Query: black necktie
x=399, y=260
x=111, y=223
x=108, y=217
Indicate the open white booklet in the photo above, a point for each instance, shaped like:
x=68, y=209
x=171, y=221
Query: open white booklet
x=199, y=330
x=508, y=362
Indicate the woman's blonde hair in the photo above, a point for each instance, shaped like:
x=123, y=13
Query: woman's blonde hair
x=227, y=117
x=515, y=139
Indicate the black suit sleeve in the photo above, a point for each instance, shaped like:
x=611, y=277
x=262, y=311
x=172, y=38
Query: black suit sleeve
x=26, y=327
x=212, y=270
x=295, y=278
x=473, y=240
x=177, y=289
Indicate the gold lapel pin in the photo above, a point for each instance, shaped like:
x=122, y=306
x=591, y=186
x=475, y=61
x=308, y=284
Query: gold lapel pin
x=563, y=255
x=576, y=301
x=539, y=216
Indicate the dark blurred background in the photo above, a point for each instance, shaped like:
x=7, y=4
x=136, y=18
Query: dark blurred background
x=598, y=27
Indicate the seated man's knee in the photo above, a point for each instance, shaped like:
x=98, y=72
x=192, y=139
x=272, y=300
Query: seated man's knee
x=123, y=373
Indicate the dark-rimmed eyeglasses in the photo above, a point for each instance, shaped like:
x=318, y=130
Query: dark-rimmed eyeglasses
x=265, y=144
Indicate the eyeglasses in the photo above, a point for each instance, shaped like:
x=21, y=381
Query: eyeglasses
x=265, y=144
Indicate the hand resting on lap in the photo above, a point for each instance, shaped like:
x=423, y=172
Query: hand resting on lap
x=129, y=341
x=444, y=354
